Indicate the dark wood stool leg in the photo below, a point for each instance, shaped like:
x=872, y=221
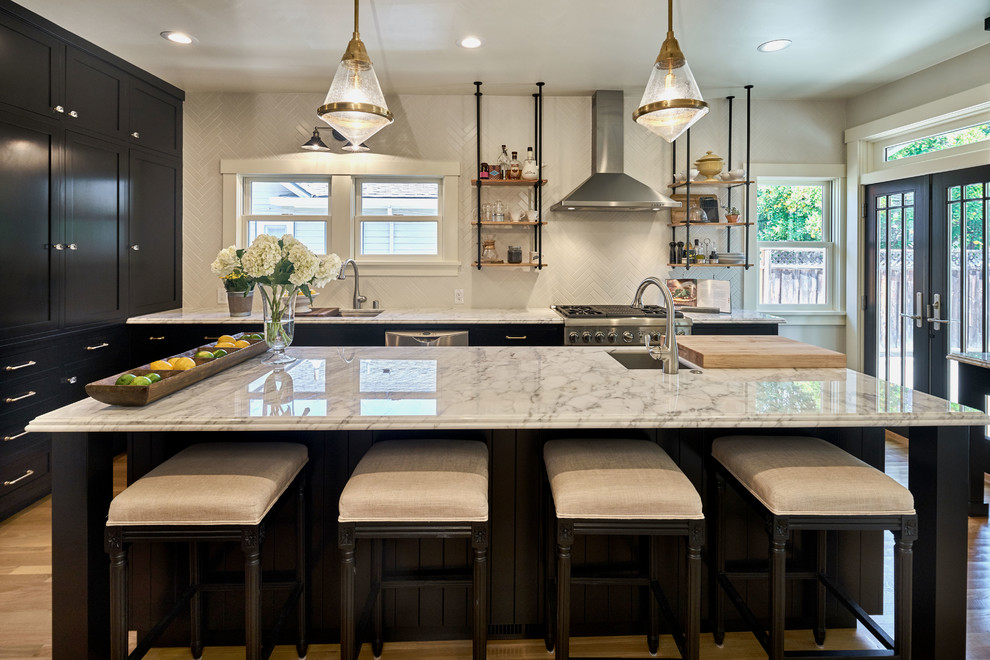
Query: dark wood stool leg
x=550, y=585
x=348, y=571
x=302, y=567
x=718, y=595
x=822, y=562
x=778, y=585
x=377, y=616
x=195, y=602
x=479, y=590
x=251, y=538
x=653, y=636
x=903, y=567
x=565, y=538
x=692, y=630
x=118, y=593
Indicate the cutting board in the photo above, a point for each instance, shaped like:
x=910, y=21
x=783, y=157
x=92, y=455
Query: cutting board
x=755, y=352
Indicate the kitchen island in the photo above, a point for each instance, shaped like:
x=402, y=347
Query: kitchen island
x=340, y=400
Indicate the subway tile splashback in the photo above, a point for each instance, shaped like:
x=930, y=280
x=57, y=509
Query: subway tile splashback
x=592, y=257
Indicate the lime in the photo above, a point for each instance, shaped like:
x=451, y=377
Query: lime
x=219, y=353
x=204, y=355
x=125, y=379
x=153, y=377
x=252, y=337
x=141, y=381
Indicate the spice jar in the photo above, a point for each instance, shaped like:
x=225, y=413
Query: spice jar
x=498, y=212
x=488, y=254
x=483, y=174
x=514, y=254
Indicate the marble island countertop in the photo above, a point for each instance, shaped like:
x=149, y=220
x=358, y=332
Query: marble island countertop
x=975, y=359
x=333, y=388
x=453, y=315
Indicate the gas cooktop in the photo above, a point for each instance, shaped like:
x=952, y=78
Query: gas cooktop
x=613, y=311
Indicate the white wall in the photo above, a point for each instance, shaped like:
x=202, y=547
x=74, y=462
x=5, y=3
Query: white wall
x=592, y=257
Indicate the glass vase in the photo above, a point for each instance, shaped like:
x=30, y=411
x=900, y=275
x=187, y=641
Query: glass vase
x=279, y=302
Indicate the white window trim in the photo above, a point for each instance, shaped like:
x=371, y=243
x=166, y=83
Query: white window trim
x=245, y=218
x=342, y=170
x=834, y=175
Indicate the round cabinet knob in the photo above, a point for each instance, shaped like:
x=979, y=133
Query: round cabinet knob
x=72, y=246
x=627, y=337
x=573, y=337
x=59, y=246
x=586, y=337
x=73, y=114
x=599, y=337
x=610, y=336
x=59, y=109
x=136, y=247
x=136, y=135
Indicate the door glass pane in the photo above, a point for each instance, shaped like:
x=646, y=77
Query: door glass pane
x=883, y=268
x=908, y=304
x=955, y=303
x=895, y=295
x=895, y=287
x=973, y=316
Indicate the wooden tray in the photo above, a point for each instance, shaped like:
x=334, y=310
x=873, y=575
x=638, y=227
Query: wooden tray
x=755, y=352
x=105, y=391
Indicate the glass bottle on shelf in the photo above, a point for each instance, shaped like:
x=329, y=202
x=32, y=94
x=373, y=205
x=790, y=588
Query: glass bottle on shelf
x=488, y=255
x=515, y=167
x=529, y=169
x=502, y=162
x=498, y=211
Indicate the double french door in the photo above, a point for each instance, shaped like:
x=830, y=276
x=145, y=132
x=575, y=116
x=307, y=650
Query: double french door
x=927, y=266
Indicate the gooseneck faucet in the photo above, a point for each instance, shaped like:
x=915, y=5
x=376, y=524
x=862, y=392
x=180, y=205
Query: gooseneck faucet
x=668, y=349
x=358, y=298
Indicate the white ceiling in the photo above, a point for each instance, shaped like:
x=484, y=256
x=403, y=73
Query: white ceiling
x=841, y=48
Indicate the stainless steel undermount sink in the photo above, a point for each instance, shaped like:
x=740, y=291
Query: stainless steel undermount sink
x=642, y=360
x=361, y=312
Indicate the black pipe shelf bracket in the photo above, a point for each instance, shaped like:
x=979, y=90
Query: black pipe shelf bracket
x=730, y=186
x=538, y=223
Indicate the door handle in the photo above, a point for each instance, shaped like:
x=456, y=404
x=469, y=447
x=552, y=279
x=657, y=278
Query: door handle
x=917, y=306
x=935, y=312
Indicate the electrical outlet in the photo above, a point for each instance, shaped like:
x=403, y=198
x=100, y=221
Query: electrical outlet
x=458, y=296
x=221, y=295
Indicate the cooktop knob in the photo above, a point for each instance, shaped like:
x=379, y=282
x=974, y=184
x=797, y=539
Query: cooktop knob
x=599, y=336
x=657, y=336
x=627, y=336
x=586, y=337
x=611, y=336
x=573, y=337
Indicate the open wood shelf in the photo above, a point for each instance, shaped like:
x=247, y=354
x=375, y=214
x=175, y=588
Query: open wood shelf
x=492, y=223
x=708, y=224
x=508, y=182
x=714, y=182
x=474, y=264
x=709, y=265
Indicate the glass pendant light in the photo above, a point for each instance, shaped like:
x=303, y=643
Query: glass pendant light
x=355, y=106
x=672, y=102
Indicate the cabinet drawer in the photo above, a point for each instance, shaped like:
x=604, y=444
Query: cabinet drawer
x=23, y=393
x=15, y=441
x=22, y=472
x=102, y=344
x=533, y=334
x=27, y=363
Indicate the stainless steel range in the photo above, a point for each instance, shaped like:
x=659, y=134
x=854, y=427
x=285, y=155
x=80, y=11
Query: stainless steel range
x=616, y=324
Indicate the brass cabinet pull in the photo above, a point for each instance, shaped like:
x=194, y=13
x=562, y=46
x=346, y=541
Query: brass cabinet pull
x=8, y=438
x=519, y=338
x=98, y=346
x=29, y=363
x=14, y=399
x=156, y=338
x=20, y=478
x=211, y=338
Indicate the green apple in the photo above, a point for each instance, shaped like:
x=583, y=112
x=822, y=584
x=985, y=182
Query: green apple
x=125, y=379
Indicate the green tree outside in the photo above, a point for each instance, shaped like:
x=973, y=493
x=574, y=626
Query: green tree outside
x=789, y=213
x=938, y=142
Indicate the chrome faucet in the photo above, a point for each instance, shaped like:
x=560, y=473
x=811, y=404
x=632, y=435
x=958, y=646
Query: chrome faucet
x=358, y=298
x=667, y=351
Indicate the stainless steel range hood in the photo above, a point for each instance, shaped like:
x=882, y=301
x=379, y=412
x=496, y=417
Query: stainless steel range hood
x=609, y=188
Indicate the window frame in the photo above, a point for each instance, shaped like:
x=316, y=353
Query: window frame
x=878, y=147
x=360, y=218
x=832, y=235
x=246, y=218
x=343, y=169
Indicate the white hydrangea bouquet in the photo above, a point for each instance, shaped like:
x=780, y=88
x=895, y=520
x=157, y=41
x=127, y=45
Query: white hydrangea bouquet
x=281, y=267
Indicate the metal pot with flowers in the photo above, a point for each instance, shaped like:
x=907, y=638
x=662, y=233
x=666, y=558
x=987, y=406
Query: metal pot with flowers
x=283, y=267
x=239, y=287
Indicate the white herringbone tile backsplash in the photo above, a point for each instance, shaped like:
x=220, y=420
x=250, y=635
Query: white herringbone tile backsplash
x=592, y=257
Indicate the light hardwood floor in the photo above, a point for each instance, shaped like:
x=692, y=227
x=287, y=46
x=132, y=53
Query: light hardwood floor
x=25, y=606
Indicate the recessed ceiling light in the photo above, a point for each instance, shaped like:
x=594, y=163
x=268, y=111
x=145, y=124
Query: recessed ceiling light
x=178, y=37
x=774, y=45
x=470, y=42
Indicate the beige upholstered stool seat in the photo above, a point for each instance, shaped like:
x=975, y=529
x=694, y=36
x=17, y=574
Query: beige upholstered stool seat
x=794, y=476
x=211, y=484
x=618, y=480
x=418, y=480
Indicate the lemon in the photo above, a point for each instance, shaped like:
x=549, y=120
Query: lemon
x=240, y=343
x=125, y=379
x=141, y=381
x=223, y=338
x=183, y=363
x=224, y=344
x=160, y=365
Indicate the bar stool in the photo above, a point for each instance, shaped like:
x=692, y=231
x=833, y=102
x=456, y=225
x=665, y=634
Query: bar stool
x=627, y=487
x=404, y=489
x=209, y=492
x=801, y=483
